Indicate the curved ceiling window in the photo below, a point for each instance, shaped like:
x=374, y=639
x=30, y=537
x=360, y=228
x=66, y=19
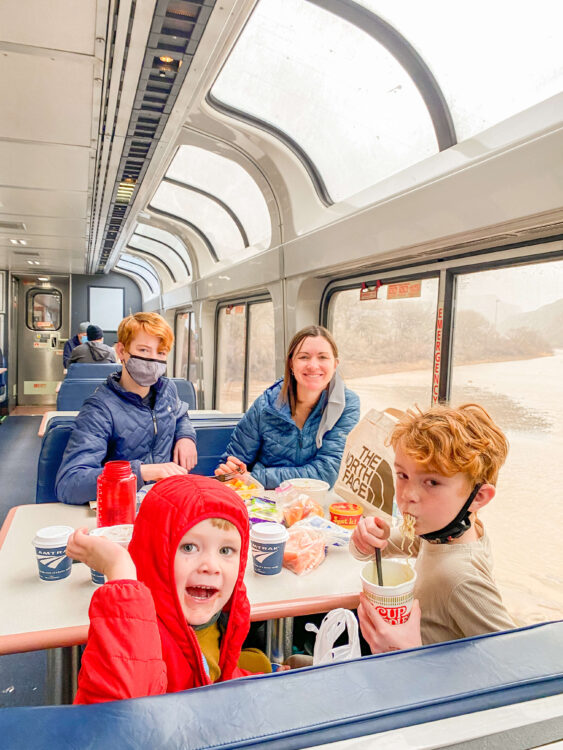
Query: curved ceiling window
x=332, y=89
x=513, y=49
x=141, y=269
x=213, y=221
x=230, y=185
x=166, y=240
x=155, y=251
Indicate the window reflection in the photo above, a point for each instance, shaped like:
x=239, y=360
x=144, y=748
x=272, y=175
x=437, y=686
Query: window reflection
x=44, y=310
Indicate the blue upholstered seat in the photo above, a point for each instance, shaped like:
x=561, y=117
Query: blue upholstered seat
x=74, y=391
x=101, y=370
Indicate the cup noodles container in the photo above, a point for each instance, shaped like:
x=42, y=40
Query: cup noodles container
x=50, y=545
x=267, y=541
x=120, y=534
x=315, y=488
x=346, y=515
x=394, y=599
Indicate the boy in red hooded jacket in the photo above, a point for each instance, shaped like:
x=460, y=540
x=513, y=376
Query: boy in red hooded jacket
x=174, y=612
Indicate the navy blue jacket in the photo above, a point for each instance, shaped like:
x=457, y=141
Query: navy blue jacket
x=275, y=449
x=70, y=344
x=115, y=425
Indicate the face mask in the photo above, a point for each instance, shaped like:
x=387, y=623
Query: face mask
x=145, y=371
x=83, y=339
x=457, y=527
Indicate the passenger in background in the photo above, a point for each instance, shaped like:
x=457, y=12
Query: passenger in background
x=446, y=464
x=298, y=426
x=94, y=350
x=134, y=416
x=76, y=340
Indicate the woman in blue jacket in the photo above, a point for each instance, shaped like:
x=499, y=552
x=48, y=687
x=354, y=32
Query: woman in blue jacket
x=298, y=426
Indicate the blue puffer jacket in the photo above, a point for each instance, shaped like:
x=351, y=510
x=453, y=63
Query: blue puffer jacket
x=275, y=449
x=115, y=425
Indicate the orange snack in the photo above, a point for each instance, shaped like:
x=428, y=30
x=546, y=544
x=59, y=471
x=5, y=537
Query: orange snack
x=300, y=508
x=346, y=515
x=304, y=551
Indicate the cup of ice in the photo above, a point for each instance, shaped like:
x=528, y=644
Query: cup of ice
x=120, y=534
x=50, y=545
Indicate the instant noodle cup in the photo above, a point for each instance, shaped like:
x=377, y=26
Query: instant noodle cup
x=346, y=515
x=50, y=546
x=267, y=541
x=315, y=488
x=120, y=534
x=394, y=599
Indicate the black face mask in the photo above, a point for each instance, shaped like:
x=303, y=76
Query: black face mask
x=457, y=527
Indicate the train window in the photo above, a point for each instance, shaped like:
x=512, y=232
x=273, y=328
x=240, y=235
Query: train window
x=185, y=365
x=386, y=344
x=508, y=356
x=246, y=327
x=230, y=184
x=43, y=310
x=519, y=61
x=207, y=215
x=330, y=88
x=231, y=356
x=165, y=239
x=261, y=350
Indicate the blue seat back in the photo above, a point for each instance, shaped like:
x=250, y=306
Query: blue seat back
x=52, y=448
x=212, y=437
x=309, y=707
x=78, y=370
x=186, y=391
x=73, y=393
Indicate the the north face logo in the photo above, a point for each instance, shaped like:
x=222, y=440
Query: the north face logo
x=369, y=476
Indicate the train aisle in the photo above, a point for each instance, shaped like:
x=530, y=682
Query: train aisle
x=22, y=676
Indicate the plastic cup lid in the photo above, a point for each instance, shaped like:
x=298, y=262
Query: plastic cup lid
x=120, y=533
x=306, y=483
x=52, y=536
x=269, y=533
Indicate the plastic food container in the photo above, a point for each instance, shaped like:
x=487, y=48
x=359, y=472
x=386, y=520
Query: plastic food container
x=315, y=488
x=346, y=515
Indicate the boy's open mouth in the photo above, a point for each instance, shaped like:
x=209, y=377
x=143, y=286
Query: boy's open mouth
x=201, y=592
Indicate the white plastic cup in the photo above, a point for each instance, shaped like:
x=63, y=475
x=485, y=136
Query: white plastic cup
x=120, y=534
x=50, y=546
x=394, y=600
x=316, y=488
x=267, y=541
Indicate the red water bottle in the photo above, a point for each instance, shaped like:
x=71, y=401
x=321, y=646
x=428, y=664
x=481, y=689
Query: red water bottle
x=116, y=495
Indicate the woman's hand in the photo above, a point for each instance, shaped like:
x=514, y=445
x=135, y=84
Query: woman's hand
x=371, y=532
x=232, y=465
x=154, y=472
x=185, y=453
x=101, y=554
x=381, y=635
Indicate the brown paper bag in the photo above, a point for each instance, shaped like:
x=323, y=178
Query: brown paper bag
x=366, y=473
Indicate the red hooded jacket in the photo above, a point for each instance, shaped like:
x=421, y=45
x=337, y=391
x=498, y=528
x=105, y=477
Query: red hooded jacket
x=139, y=643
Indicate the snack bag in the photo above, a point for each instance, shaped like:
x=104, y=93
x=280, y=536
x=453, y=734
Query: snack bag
x=304, y=550
x=300, y=508
x=334, y=535
x=262, y=509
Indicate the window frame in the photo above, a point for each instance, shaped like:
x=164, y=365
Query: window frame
x=30, y=296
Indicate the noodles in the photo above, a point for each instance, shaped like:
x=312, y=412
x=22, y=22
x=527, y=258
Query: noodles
x=407, y=530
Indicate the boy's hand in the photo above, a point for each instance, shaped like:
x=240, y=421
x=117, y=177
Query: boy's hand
x=185, y=453
x=154, y=472
x=101, y=554
x=381, y=636
x=232, y=465
x=370, y=533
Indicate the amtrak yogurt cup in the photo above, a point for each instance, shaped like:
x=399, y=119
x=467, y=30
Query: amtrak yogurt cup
x=394, y=599
x=267, y=541
x=120, y=534
x=50, y=545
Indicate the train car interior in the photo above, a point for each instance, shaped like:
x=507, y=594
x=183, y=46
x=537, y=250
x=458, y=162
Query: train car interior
x=391, y=170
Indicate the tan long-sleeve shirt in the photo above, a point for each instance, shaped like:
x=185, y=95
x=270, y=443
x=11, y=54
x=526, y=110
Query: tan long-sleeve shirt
x=455, y=586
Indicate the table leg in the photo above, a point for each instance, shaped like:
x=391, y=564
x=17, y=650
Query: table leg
x=279, y=639
x=63, y=665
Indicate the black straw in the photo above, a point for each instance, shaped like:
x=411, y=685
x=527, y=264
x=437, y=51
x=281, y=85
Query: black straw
x=378, y=566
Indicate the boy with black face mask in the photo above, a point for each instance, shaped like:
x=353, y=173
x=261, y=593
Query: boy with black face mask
x=446, y=465
x=134, y=416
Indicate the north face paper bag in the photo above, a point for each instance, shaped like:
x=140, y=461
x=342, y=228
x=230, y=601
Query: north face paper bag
x=366, y=471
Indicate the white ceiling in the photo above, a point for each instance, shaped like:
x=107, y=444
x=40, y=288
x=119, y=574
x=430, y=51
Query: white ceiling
x=50, y=79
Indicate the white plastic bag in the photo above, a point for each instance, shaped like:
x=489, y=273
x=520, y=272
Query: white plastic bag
x=333, y=625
